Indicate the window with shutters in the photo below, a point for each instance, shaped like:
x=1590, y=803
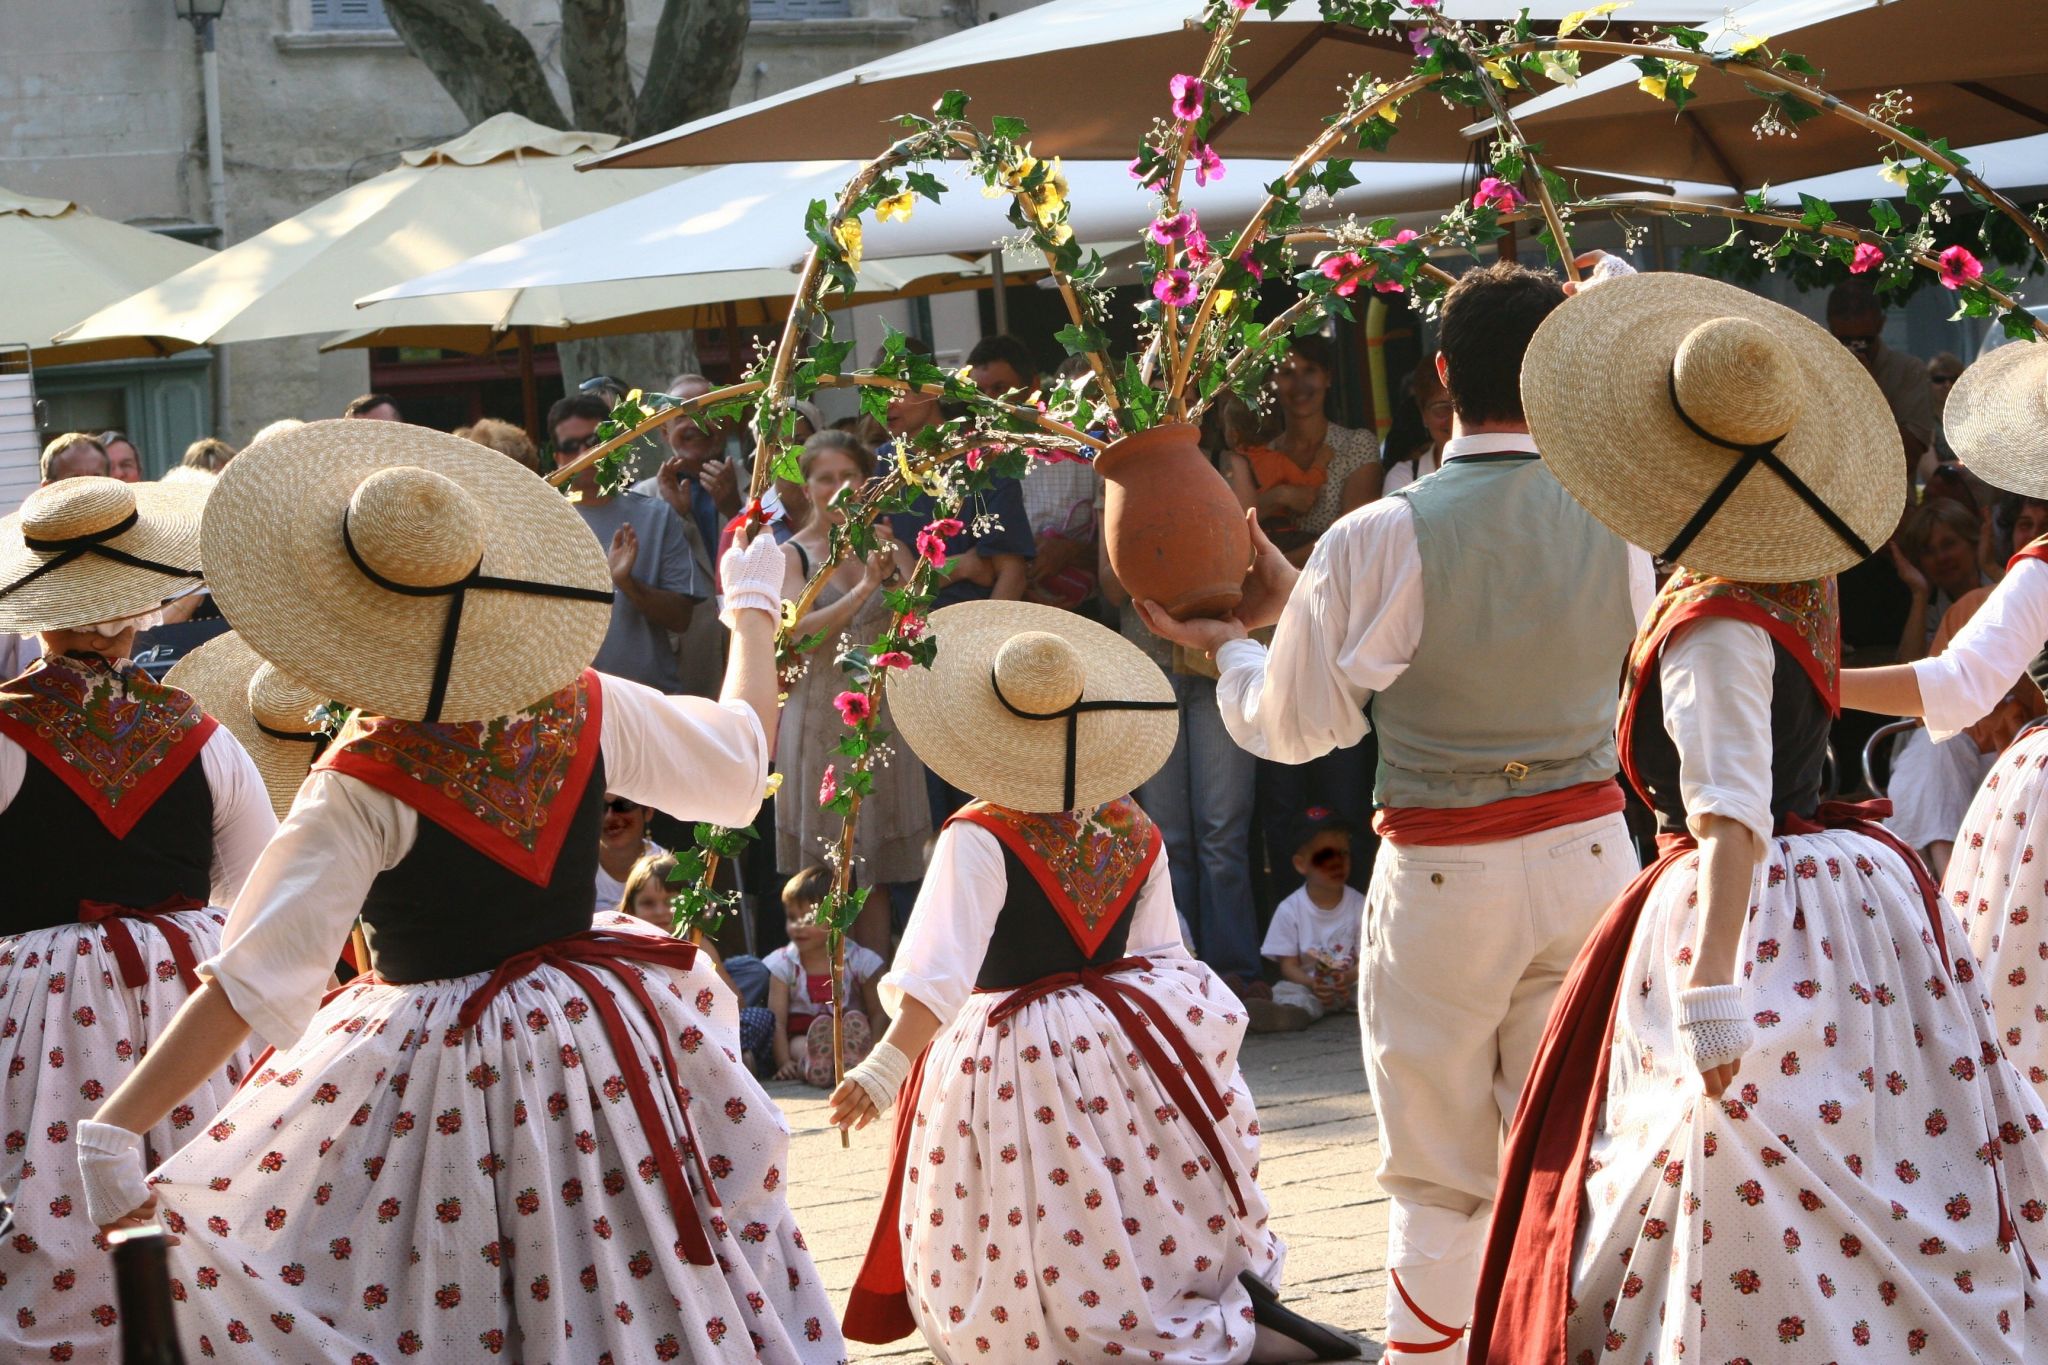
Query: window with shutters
x=803, y=9
x=349, y=14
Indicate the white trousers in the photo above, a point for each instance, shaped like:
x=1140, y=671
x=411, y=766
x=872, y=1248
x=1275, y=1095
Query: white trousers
x=1465, y=947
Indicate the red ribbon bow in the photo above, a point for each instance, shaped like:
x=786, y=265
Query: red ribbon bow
x=113, y=920
x=575, y=957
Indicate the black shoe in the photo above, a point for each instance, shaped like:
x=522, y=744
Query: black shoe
x=1275, y=1316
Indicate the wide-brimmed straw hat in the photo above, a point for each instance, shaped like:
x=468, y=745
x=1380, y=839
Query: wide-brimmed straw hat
x=92, y=549
x=405, y=571
x=276, y=718
x=1996, y=420
x=1714, y=428
x=1035, y=708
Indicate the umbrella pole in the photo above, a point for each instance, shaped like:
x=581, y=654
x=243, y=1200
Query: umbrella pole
x=1002, y=302
x=1506, y=245
x=529, y=393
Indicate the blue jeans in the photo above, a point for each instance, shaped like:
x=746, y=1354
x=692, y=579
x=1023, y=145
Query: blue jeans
x=1202, y=802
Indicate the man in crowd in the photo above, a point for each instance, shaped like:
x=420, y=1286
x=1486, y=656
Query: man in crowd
x=124, y=461
x=71, y=455
x=654, y=575
x=1856, y=317
x=380, y=407
x=697, y=479
x=1059, y=495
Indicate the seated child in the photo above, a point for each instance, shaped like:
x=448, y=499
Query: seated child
x=646, y=897
x=1314, y=937
x=800, y=989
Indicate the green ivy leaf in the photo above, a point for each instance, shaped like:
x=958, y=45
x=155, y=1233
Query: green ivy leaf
x=1009, y=129
x=951, y=105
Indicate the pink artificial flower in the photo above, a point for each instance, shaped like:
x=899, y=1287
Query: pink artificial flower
x=1198, y=247
x=853, y=707
x=1959, y=267
x=1208, y=165
x=1240, y=4
x=1174, y=288
x=1424, y=4
x=931, y=541
x=1343, y=268
x=828, y=785
x=1157, y=178
x=894, y=658
x=1395, y=286
x=1187, y=97
x=912, y=628
x=974, y=458
x=1495, y=192
x=1419, y=40
x=1869, y=256
x=1167, y=231
x=1251, y=264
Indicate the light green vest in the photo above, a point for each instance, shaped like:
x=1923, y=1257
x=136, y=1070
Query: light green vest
x=1526, y=625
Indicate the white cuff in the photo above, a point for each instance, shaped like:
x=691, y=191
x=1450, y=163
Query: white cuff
x=881, y=1074
x=1234, y=652
x=747, y=600
x=110, y=1168
x=1712, y=1027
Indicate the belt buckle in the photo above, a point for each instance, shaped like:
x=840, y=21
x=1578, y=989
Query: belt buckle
x=1516, y=771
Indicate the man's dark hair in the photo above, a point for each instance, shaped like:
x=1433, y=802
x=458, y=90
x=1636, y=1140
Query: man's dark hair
x=370, y=402
x=1007, y=350
x=577, y=405
x=1854, y=298
x=1487, y=320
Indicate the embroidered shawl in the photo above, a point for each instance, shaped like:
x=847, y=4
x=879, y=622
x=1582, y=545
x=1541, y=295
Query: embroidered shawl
x=115, y=736
x=1089, y=866
x=507, y=787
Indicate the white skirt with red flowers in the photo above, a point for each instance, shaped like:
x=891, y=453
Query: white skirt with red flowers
x=71, y=1030
x=1059, y=1208
x=394, y=1186
x=1870, y=1184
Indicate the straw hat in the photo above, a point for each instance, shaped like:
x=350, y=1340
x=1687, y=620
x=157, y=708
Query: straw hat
x=1035, y=708
x=273, y=716
x=405, y=571
x=91, y=549
x=1715, y=428
x=1997, y=418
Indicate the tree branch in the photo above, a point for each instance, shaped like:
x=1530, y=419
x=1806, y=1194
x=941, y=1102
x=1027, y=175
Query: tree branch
x=594, y=61
x=484, y=63
x=694, y=63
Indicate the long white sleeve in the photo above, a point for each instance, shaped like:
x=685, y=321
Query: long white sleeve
x=943, y=945
x=694, y=758
x=1155, y=926
x=1717, y=677
x=1960, y=686
x=243, y=820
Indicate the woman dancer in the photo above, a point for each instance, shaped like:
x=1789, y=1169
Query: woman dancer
x=1080, y=1176
x=126, y=812
x=1997, y=421
x=1769, y=1119
x=519, y=1134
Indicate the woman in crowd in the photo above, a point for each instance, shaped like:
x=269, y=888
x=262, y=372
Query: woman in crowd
x=1434, y=405
x=518, y=1134
x=1935, y=553
x=505, y=438
x=852, y=607
x=209, y=455
x=1769, y=1119
x=1078, y=1176
x=126, y=813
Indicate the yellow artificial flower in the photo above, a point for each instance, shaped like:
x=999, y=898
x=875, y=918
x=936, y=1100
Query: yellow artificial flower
x=774, y=786
x=633, y=397
x=1578, y=18
x=1226, y=299
x=1742, y=47
x=1655, y=86
x=1502, y=72
x=1392, y=113
x=847, y=234
x=788, y=614
x=896, y=208
x=1017, y=171
x=1895, y=171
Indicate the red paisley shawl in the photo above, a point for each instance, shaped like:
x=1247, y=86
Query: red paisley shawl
x=507, y=787
x=1088, y=866
x=114, y=735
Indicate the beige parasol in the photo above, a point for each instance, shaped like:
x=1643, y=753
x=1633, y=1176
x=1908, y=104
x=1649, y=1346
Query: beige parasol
x=63, y=262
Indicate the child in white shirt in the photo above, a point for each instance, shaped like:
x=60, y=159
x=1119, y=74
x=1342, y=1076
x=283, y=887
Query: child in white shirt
x=1314, y=939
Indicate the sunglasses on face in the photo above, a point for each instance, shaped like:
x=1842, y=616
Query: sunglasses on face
x=576, y=445
x=619, y=805
x=1324, y=859
x=1942, y=379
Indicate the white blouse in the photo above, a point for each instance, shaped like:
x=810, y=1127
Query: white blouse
x=964, y=889
x=243, y=820
x=1961, y=685
x=694, y=758
x=1717, y=675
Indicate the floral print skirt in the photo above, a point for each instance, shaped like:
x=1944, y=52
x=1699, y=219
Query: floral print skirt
x=70, y=1032
x=395, y=1184
x=1057, y=1207
x=1870, y=1184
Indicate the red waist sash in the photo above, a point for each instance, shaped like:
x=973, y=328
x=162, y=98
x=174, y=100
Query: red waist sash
x=113, y=921
x=1435, y=826
x=878, y=1310
x=1525, y=1279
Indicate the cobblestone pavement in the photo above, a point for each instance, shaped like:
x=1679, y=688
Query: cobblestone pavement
x=1321, y=1143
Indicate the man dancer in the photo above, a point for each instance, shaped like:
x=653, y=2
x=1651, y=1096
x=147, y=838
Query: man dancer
x=1486, y=616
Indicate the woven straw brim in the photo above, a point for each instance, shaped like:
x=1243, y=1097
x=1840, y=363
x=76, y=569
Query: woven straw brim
x=952, y=720
x=272, y=540
x=1996, y=420
x=93, y=588
x=217, y=675
x=1596, y=386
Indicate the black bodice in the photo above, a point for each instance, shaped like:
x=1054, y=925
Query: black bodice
x=447, y=910
x=1799, y=744
x=1031, y=941
x=58, y=853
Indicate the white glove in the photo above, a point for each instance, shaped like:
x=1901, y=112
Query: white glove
x=1712, y=1028
x=881, y=1073
x=111, y=1168
x=752, y=577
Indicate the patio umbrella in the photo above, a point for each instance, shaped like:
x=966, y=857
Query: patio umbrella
x=63, y=262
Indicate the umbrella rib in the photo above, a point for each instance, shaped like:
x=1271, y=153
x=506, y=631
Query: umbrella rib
x=2004, y=101
x=1280, y=68
x=1714, y=152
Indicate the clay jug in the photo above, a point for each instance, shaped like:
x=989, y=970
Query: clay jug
x=1175, y=531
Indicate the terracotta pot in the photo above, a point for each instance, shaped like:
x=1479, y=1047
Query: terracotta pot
x=1175, y=531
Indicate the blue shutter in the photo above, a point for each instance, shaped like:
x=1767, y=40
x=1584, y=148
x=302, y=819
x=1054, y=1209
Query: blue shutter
x=349, y=14
x=803, y=9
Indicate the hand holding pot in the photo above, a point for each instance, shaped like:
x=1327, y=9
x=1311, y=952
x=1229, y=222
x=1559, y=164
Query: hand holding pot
x=1269, y=584
x=1206, y=633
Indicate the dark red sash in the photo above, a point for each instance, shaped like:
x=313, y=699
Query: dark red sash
x=113, y=921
